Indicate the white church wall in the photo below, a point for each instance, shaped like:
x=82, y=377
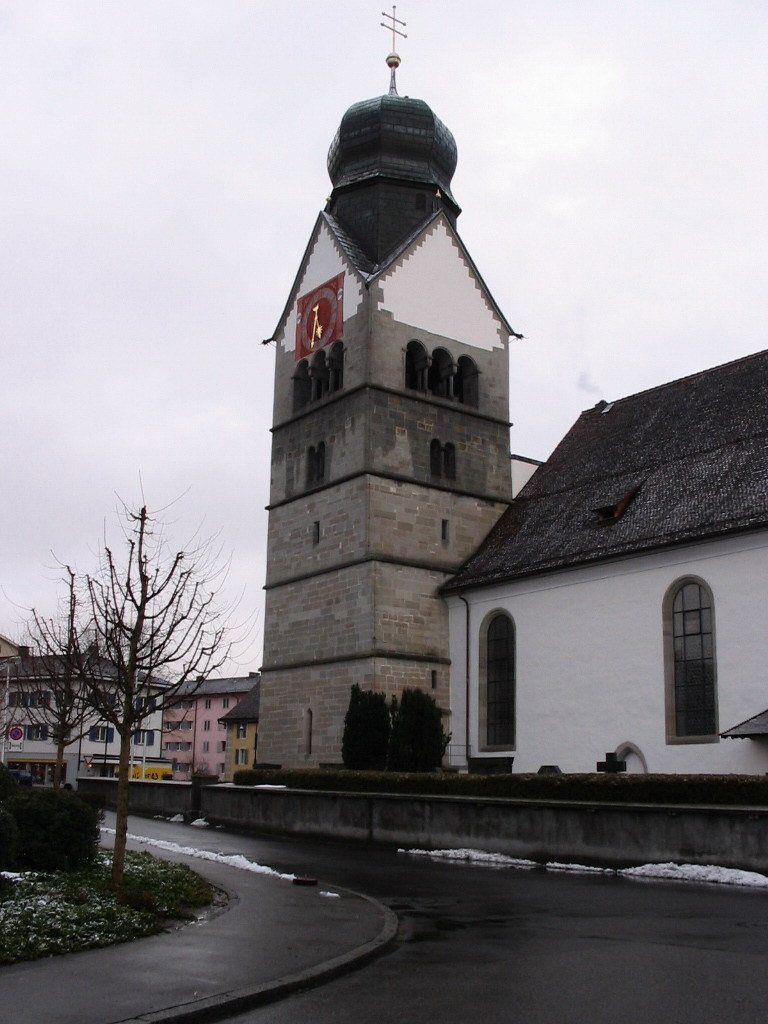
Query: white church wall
x=590, y=671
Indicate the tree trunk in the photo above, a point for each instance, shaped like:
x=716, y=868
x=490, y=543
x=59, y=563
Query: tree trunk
x=59, y=762
x=121, y=815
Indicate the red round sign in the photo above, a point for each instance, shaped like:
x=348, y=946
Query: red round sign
x=15, y=733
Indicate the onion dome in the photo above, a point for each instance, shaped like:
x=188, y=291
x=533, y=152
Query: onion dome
x=391, y=164
x=393, y=137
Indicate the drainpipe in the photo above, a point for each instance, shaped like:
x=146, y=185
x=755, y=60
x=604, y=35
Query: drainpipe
x=466, y=677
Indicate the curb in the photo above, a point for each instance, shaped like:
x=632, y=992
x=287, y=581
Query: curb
x=215, y=1007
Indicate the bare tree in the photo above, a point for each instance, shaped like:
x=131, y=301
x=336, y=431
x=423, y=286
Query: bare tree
x=158, y=626
x=48, y=689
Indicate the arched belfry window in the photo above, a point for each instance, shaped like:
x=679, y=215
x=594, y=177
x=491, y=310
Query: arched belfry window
x=465, y=385
x=302, y=386
x=336, y=366
x=497, y=682
x=416, y=366
x=690, y=662
x=319, y=375
x=440, y=374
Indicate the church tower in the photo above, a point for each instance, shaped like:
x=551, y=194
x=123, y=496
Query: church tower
x=390, y=439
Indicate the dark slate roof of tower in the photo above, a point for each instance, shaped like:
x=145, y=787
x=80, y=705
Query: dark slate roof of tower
x=392, y=137
x=682, y=462
x=350, y=248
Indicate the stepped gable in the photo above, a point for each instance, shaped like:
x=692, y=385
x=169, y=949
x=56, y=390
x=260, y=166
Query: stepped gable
x=682, y=462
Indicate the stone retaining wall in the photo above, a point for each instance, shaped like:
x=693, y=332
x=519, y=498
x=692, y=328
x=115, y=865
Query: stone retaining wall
x=601, y=834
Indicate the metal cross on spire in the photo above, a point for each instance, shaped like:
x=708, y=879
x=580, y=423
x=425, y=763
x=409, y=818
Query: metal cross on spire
x=393, y=60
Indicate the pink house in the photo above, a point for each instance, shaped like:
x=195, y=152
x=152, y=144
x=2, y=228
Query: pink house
x=193, y=738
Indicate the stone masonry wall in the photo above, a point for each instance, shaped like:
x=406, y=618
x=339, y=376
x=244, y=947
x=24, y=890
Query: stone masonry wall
x=324, y=690
x=325, y=616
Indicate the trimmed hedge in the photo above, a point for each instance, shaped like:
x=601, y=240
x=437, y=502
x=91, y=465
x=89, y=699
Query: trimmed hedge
x=57, y=831
x=743, y=790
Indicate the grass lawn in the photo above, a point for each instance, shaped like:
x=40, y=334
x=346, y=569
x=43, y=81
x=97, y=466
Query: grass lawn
x=47, y=914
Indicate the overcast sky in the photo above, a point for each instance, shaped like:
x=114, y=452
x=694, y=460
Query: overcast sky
x=162, y=166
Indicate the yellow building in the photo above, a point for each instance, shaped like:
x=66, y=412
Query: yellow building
x=242, y=724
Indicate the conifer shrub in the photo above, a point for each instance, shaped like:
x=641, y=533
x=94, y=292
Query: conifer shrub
x=8, y=784
x=367, y=729
x=417, y=741
x=9, y=840
x=57, y=831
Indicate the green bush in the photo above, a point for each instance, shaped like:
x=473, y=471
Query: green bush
x=9, y=840
x=417, y=741
x=366, y=731
x=57, y=831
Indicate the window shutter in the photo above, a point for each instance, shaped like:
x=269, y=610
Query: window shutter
x=150, y=738
x=110, y=735
x=93, y=733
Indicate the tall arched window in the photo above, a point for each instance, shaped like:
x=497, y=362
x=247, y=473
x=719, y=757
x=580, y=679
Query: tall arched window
x=465, y=383
x=690, y=662
x=497, y=682
x=416, y=365
x=308, y=732
x=440, y=375
x=315, y=464
x=449, y=461
x=435, y=457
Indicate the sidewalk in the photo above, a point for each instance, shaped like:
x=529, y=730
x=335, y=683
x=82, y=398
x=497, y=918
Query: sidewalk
x=272, y=938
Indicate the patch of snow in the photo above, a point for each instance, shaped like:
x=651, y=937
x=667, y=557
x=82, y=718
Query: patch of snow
x=233, y=860
x=698, y=873
x=581, y=869
x=331, y=895
x=199, y=823
x=711, y=874
x=268, y=785
x=474, y=857
x=177, y=817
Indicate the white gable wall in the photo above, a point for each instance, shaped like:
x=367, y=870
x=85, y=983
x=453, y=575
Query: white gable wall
x=590, y=659
x=434, y=289
x=324, y=261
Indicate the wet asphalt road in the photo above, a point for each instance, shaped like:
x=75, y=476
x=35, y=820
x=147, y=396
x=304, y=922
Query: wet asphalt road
x=503, y=944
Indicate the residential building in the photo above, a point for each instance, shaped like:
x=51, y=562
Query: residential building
x=194, y=738
x=242, y=725
x=30, y=721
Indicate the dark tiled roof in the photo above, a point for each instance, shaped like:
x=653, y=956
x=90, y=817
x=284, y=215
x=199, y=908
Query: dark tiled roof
x=247, y=709
x=54, y=666
x=681, y=462
x=755, y=726
x=211, y=687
